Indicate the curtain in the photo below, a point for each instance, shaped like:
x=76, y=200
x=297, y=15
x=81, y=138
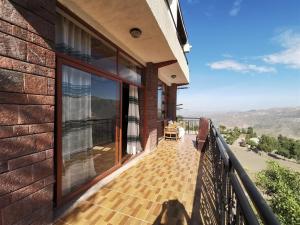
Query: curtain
x=133, y=130
x=77, y=140
x=71, y=39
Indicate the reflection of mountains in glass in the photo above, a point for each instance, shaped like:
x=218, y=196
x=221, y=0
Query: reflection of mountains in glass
x=103, y=108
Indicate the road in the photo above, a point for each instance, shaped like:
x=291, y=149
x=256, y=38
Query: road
x=253, y=162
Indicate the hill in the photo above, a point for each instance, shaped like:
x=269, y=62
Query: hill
x=274, y=121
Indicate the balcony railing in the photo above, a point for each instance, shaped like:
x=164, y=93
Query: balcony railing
x=226, y=193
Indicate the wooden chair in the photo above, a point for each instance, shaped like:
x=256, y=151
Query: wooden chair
x=171, y=132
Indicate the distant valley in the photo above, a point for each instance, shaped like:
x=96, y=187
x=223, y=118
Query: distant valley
x=274, y=121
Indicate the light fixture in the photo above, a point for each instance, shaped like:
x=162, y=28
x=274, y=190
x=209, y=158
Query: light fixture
x=173, y=76
x=135, y=32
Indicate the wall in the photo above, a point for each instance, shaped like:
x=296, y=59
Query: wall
x=150, y=111
x=172, y=101
x=27, y=78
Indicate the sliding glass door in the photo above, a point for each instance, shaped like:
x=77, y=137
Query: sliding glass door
x=90, y=126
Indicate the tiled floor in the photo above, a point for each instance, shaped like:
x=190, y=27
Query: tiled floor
x=158, y=190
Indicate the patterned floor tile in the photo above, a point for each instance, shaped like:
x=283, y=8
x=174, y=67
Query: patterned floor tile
x=158, y=190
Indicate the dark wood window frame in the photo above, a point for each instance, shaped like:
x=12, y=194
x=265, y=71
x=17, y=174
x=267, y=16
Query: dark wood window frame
x=64, y=59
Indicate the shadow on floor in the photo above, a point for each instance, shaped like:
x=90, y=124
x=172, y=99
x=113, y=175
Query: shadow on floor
x=172, y=212
x=205, y=207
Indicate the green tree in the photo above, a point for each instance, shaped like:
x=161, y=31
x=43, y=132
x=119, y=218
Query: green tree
x=281, y=185
x=250, y=130
x=268, y=143
x=253, y=144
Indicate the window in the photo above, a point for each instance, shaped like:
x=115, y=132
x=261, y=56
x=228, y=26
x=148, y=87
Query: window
x=90, y=111
x=129, y=70
x=80, y=44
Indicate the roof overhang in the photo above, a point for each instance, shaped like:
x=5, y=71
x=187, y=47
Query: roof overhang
x=158, y=42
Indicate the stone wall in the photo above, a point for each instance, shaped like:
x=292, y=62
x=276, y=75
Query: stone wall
x=150, y=112
x=172, y=101
x=27, y=78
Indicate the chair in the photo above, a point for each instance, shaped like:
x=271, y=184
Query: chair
x=171, y=132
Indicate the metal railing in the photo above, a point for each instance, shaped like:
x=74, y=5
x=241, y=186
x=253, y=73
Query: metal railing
x=190, y=124
x=236, y=198
x=226, y=194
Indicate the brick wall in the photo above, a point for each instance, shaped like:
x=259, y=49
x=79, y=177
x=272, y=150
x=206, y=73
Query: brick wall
x=150, y=127
x=172, y=101
x=27, y=78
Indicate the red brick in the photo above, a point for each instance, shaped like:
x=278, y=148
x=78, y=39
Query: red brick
x=3, y=167
x=40, y=100
x=16, y=211
x=40, y=128
x=42, y=169
x=28, y=190
x=17, y=146
x=36, y=114
x=6, y=131
x=41, y=27
x=49, y=153
x=20, y=32
x=12, y=13
x=51, y=86
x=36, y=54
x=44, y=141
x=4, y=201
x=15, y=180
x=21, y=130
x=50, y=58
x=8, y=114
x=35, y=84
x=12, y=98
x=11, y=81
x=13, y=64
x=49, y=180
x=26, y=160
x=12, y=47
x=5, y=27
x=40, y=41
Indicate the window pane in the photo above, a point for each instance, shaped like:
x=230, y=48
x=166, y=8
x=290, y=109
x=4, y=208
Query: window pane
x=77, y=42
x=129, y=70
x=90, y=108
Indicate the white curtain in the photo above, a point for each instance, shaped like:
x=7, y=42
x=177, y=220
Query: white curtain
x=76, y=111
x=133, y=130
x=77, y=140
x=77, y=130
x=71, y=39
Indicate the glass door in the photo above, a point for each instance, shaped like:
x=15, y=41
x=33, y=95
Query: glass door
x=90, y=126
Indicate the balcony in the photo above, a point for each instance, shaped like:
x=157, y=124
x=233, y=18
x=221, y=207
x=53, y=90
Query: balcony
x=178, y=184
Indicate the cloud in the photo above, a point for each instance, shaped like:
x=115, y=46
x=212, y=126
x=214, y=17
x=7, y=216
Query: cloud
x=236, y=7
x=235, y=66
x=290, y=55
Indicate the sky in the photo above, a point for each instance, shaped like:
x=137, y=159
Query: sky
x=245, y=55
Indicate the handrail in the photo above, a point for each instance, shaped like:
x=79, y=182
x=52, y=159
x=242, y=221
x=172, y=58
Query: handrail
x=233, y=164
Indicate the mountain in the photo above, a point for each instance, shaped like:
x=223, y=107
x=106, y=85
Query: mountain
x=274, y=121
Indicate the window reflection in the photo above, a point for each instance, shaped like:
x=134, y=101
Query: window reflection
x=90, y=106
x=129, y=70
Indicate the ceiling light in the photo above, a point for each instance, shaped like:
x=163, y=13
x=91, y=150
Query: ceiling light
x=135, y=32
x=173, y=76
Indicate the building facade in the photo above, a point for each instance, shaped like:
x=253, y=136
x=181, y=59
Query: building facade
x=84, y=87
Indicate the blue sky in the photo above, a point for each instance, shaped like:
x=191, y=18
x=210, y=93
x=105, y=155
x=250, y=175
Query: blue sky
x=245, y=55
